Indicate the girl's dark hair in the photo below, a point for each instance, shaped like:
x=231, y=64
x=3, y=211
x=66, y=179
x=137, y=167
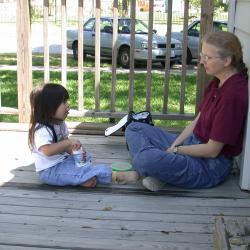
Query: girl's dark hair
x=44, y=101
x=228, y=44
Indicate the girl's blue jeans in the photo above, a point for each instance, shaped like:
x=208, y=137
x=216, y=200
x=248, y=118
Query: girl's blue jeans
x=67, y=173
x=147, y=147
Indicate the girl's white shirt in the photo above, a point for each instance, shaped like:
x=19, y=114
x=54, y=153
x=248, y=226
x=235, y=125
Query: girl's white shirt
x=44, y=136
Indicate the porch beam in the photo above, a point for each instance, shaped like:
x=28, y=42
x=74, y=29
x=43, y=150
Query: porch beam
x=45, y=40
x=167, y=59
x=184, y=57
x=132, y=57
x=80, y=56
x=97, y=54
x=114, y=55
x=64, y=41
x=24, y=59
x=118, y=115
x=207, y=9
x=149, y=61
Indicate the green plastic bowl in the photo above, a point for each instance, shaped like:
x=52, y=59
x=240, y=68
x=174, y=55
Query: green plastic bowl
x=121, y=166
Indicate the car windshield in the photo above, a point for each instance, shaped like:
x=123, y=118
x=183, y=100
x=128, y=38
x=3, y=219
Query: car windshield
x=124, y=26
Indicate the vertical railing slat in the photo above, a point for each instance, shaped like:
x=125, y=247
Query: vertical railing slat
x=24, y=60
x=63, y=38
x=45, y=40
x=207, y=9
x=97, y=55
x=114, y=55
x=184, y=57
x=167, y=60
x=149, y=61
x=132, y=50
x=80, y=55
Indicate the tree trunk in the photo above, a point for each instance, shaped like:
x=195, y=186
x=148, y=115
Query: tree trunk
x=124, y=7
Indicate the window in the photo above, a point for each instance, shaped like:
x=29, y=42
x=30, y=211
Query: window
x=220, y=27
x=89, y=26
x=195, y=30
x=105, y=23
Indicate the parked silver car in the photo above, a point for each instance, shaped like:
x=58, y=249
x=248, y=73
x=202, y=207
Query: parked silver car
x=193, y=37
x=123, y=41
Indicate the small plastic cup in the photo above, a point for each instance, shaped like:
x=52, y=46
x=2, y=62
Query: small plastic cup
x=80, y=157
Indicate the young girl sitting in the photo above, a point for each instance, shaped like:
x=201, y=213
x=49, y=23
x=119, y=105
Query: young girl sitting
x=52, y=149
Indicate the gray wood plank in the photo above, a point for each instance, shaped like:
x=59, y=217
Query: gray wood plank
x=141, y=205
x=74, y=223
x=18, y=247
x=88, y=243
x=29, y=179
x=106, y=215
x=90, y=232
x=142, y=201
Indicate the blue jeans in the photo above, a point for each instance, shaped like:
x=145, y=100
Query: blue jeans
x=66, y=173
x=147, y=147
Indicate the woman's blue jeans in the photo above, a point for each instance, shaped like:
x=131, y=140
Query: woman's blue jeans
x=147, y=147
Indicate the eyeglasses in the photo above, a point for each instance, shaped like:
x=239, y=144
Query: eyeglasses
x=206, y=58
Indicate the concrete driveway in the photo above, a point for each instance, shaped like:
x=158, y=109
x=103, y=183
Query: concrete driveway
x=8, y=41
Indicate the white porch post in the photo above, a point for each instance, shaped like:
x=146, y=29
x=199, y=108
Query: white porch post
x=245, y=161
x=238, y=11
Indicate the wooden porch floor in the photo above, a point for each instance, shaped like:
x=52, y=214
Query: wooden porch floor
x=37, y=216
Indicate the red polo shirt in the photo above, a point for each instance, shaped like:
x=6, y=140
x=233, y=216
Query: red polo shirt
x=223, y=114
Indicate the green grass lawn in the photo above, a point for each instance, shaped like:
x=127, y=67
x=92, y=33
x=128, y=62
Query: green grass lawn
x=8, y=80
x=8, y=83
x=54, y=60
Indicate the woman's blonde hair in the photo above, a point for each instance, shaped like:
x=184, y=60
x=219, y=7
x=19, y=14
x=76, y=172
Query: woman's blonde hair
x=228, y=45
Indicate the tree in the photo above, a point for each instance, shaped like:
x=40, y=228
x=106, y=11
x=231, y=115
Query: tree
x=125, y=4
x=217, y=4
x=123, y=7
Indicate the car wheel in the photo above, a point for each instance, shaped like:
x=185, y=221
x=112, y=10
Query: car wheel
x=75, y=50
x=171, y=64
x=189, y=56
x=124, y=57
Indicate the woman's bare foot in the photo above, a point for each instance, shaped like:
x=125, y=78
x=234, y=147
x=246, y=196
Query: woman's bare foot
x=124, y=177
x=90, y=183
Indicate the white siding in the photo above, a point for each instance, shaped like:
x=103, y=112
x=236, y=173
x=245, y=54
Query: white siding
x=242, y=30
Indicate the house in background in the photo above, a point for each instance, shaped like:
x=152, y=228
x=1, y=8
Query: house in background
x=160, y=5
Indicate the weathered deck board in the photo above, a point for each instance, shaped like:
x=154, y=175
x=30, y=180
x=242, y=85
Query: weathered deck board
x=15, y=247
x=38, y=216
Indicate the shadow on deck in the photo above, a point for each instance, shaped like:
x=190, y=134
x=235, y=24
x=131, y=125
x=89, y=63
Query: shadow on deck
x=38, y=216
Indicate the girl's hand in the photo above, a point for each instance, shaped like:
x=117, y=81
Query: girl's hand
x=66, y=145
x=74, y=144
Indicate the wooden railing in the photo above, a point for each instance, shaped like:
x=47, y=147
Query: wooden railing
x=25, y=68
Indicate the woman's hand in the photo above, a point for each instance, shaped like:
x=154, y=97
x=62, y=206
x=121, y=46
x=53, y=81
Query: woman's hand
x=211, y=149
x=170, y=150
